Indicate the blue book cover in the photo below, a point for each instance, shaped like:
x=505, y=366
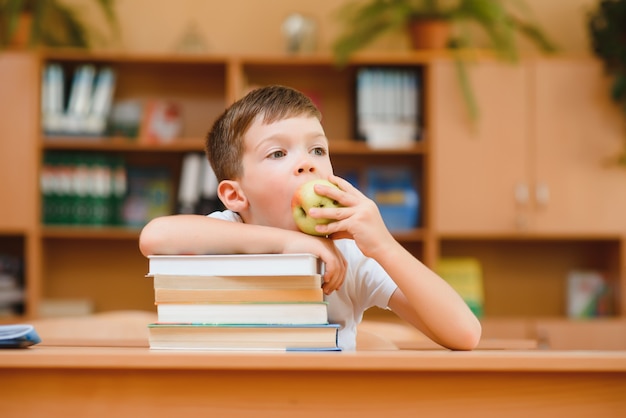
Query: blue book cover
x=18, y=336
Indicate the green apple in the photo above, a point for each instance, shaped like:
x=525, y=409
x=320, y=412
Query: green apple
x=304, y=199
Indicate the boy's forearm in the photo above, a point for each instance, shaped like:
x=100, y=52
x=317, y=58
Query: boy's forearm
x=432, y=305
x=198, y=234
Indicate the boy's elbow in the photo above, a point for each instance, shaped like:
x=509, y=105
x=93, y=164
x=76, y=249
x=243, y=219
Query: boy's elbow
x=468, y=337
x=150, y=238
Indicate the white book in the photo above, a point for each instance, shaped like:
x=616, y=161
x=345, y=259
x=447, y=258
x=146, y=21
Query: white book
x=101, y=102
x=186, y=282
x=103, y=92
x=190, y=178
x=52, y=91
x=244, y=313
x=236, y=265
x=243, y=337
x=82, y=87
x=80, y=99
x=209, y=181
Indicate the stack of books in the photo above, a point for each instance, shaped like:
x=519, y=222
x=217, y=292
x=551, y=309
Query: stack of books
x=240, y=302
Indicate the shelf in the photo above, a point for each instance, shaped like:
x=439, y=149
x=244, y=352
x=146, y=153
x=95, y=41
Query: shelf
x=415, y=235
x=105, y=144
x=524, y=272
x=90, y=232
x=67, y=54
x=337, y=147
x=360, y=148
x=529, y=236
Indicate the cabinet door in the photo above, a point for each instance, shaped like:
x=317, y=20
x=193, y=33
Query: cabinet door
x=577, y=131
x=479, y=168
x=18, y=135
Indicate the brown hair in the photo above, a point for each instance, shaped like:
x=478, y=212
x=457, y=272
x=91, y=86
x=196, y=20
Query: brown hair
x=224, y=142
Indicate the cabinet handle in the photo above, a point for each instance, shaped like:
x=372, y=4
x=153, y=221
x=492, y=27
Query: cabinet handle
x=542, y=194
x=521, y=194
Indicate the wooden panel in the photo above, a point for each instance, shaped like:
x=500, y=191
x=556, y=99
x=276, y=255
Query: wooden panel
x=333, y=96
x=19, y=107
x=282, y=394
x=109, y=272
x=105, y=382
x=529, y=278
x=578, y=130
x=602, y=334
x=199, y=89
x=477, y=168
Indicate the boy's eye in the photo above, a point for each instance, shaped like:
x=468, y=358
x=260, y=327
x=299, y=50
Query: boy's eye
x=277, y=154
x=320, y=151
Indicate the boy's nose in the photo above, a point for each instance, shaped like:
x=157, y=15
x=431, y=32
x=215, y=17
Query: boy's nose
x=305, y=167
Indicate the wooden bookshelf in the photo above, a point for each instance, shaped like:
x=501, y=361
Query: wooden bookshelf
x=466, y=174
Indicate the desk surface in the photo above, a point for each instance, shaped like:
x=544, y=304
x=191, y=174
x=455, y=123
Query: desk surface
x=402, y=360
x=105, y=382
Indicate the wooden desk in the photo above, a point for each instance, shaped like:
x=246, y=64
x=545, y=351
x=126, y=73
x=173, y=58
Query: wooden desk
x=45, y=381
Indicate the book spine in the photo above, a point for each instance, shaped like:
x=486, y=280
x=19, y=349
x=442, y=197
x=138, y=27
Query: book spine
x=236, y=295
x=190, y=180
x=251, y=314
x=236, y=282
x=101, y=102
x=80, y=99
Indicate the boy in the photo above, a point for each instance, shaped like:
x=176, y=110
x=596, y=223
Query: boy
x=262, y=148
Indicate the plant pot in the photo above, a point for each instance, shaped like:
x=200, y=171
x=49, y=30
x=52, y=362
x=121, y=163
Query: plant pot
x=21, y=36
x=429, y=33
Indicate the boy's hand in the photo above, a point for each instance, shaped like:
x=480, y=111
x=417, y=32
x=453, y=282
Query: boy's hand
x=335, y=265
x=358, y=219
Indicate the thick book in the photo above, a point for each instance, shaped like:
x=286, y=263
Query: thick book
x=236, y=265
x=168, y=281
x=18, y=336
x=243, y=337
x=237, y=295
x=244, y=313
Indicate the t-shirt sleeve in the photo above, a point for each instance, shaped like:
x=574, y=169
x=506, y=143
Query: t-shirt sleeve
x=376, y=286
x=373, y=286
x=226, y=215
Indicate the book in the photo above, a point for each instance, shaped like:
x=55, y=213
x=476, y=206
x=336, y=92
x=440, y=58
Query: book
x=282, y=313
x=12, y=293
x=149, y=194
x=82, y=188
x=18, y=336
x=161, y=122
x=588, y=294
x=101, y=102
x=165, y=281
x=237, y=295
x=236, y=265
x=243, y=337
x=387, y=106
x=464, y=274
x=80, y=98
x=393, y=190
x=52, y=98
x=189, y=188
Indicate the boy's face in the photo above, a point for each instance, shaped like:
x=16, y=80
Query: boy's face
x=277, y=159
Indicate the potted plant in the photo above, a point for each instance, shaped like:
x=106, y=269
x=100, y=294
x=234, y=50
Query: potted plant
x=608, y=42
x=366, y=21
x=51, y=23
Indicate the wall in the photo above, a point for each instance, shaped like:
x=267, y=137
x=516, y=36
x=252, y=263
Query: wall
x=254, y=26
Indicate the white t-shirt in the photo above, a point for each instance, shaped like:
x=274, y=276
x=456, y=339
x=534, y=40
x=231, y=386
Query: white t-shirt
x=366, y=285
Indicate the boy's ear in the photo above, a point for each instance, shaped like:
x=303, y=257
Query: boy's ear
x=232, y=196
